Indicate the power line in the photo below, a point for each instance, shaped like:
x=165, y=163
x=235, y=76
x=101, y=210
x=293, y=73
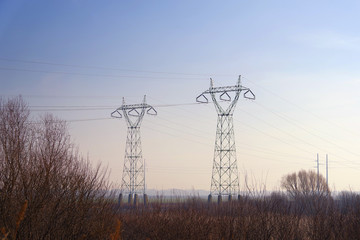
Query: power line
x=303, y=109
x=176, y=136
x=177, y=129
x=273, y=159
x=61, y=96
x=83, y=109
x=309, y=132
x=276, y=138
x=93, y=74
x=143, y=71
x=293, y=145
x=87, y=108
x=257, y=148
x=68, y=109
x=291, y=135
x=109, y=68
x=72, y=120
x=192, y=140
x=190, y=113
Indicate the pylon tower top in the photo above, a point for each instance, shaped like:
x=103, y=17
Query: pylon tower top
x=224, y=92
x=133, y=110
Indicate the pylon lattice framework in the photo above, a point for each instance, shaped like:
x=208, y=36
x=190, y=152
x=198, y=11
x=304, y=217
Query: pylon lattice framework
x=225, y=179
x=133, y=177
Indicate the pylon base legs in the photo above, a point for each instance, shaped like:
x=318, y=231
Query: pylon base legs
x=133, y=200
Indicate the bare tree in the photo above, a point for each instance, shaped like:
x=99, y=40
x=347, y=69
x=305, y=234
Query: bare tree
x=66, y=198
x=305, y=183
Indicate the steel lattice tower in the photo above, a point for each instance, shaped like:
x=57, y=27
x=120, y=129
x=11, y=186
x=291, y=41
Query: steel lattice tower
x=225, y=179
x=133, y=178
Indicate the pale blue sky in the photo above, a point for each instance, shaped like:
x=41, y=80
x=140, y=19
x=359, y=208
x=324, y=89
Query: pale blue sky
x=300, y=58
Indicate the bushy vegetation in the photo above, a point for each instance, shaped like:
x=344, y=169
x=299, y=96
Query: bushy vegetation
x=47, y=190
x=261, y=217
x=306, y=210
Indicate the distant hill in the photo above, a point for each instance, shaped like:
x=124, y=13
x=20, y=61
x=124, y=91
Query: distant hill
x=175, y=192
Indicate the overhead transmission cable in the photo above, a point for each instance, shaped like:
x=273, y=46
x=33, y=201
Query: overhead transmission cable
x=299, y=139
x=269, y=135
x=131, y=70
x=108, y=68
x=212, y=135
x=104, y=108
x=303, y=109
x=309, y=132
x=257, y=148
x=187, y=139
x=86, y=108
x=94, y=74
x=157, y=72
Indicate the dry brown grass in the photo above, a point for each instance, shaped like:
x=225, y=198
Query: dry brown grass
x=116, y=234
x=252, y=218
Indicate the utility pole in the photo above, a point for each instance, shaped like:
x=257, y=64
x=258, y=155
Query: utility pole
x=133, y=177
x=318, y=185
x=327, y=172
x=225, y=179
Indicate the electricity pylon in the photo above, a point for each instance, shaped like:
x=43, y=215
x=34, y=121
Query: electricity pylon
x=225, y=179
x=133, y=178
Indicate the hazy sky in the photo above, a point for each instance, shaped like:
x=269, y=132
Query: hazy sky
x=77, y=59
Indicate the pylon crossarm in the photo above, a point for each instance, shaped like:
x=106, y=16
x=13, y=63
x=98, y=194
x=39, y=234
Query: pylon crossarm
x=134, y=106
x=133, y=110
x=236, y=88
x=224, y=96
